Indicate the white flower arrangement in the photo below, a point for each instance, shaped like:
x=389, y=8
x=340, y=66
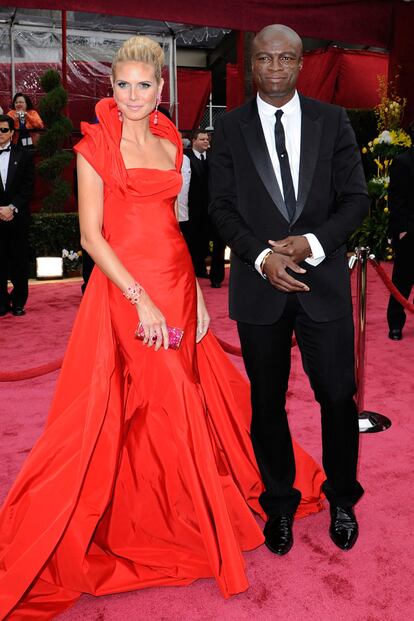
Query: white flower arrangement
x=385, y=137
x=72, y=260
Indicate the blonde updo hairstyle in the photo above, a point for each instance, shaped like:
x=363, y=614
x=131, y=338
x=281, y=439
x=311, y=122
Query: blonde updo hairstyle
x=142, y=50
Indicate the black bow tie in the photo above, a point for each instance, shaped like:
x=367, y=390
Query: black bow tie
x=5, y=150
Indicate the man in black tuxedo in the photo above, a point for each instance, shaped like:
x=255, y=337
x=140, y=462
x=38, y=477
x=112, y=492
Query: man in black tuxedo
x=287, y=191
x=16, y=189
x=199, y=230
x=195, y=230
x=401, y=204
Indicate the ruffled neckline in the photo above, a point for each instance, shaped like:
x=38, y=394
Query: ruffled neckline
x=109, y=128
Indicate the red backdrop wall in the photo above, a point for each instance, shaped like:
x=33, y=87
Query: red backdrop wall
x=346, y=77
x=194, y=88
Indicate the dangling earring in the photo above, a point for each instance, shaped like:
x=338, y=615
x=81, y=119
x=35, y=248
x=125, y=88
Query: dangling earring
x=156, y=110
x=119, y=114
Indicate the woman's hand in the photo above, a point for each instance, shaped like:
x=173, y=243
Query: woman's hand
x=153, y=323
x=203, y=318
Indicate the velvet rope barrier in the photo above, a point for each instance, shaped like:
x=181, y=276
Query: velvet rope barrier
x=390, y=285
x=43, y=369
x=16, y=376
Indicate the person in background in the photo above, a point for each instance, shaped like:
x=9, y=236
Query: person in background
x=16, y=188
x=182, y=199
x=25, y=118
x=401, y=230
x=217, y=245
x=186, y=143
x=196, y=233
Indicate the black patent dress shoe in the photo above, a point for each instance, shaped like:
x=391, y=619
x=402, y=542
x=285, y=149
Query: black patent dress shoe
x=344, y=527
x=215, y=284
x=395, y=334
x=4, y=310
x=278, y=533
x=18, y=311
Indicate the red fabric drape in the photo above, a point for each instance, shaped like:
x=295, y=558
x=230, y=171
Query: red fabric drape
x=319, y=74
x=194, y=88
x=345, y=77
x=357, y=85
x=367, y=22
x=401, y=55
x=233, y=91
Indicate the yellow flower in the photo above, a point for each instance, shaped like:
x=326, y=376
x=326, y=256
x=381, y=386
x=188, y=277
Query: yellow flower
x=386, y=210
x=389, y=257
x=364, y=150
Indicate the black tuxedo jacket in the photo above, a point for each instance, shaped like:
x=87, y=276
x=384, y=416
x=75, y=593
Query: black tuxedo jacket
x=19, y=185
x=198, y=190
x=401, y=194
x=248, y=209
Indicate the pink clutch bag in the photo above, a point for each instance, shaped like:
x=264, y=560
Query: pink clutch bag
x=175, y=336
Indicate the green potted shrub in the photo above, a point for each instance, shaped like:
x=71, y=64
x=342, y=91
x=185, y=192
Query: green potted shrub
x=50, y=146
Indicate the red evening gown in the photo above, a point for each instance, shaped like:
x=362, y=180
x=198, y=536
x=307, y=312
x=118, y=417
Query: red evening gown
x=144, y=475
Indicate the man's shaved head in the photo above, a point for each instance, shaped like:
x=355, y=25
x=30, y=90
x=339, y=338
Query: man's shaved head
x=269, y=32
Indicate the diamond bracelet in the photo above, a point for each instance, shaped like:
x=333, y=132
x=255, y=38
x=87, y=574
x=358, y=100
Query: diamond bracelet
x=133, y=293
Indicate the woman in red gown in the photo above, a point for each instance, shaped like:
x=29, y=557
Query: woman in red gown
x=145, y=474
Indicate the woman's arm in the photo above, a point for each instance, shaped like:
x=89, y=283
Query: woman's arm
x=203, y=318
x=33, y=120
x=91, y=195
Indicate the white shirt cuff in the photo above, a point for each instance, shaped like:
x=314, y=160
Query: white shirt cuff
x=259, y=260
x=318, y=254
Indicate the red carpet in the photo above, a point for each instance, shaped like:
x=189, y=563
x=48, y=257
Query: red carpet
x=315, y=581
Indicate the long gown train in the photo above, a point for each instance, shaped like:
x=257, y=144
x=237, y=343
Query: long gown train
x=145, y=474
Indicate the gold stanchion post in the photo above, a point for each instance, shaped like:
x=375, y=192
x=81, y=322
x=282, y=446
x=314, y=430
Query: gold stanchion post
x=369, y=422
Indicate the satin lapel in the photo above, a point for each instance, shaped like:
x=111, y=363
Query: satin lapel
x=252, y=131
x=311, y=132
x=13, y=165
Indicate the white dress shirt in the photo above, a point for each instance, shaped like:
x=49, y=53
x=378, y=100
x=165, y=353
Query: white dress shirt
x=199, y=155
x=292, y=124
x=4, y=164
x=183, y=195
